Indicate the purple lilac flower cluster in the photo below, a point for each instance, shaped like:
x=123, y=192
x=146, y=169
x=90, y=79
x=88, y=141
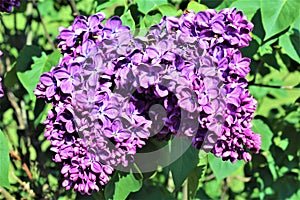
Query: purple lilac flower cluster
x=103, y=89
x=82, y=170
x=7, y=5
x=222, y=34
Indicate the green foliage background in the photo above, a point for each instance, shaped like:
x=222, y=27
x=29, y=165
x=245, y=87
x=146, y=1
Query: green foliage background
x=27, y=38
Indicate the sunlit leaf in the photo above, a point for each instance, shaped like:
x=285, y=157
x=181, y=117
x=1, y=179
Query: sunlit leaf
x=290, y=43
x=30, y=78
x=4, y=161
x=197, y=7
x=266, y=134
x=223, y=169
x=146, y=5
x=127, y=20
x=249, y=9
x=278, y=15
x=125, y=186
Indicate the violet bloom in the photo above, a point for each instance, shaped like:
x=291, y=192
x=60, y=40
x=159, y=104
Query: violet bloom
x=117, y=132
x=67, y=78
x=187, y=99
x=113, y=27
x=148, y=75
x=47, y=87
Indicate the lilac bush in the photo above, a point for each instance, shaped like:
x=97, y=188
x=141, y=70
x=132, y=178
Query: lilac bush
x=103, y=89
x=7, y=5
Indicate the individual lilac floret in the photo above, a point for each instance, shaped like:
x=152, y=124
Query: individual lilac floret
x=7, y=5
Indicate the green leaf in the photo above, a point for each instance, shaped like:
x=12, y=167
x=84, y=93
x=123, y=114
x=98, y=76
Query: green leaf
x=296, y=25
x=146, y=5
x=286, y=186
x=150, y=192
x=42, y=115
x=109, y=4
x=266, y=48
x=46, y=8
x=25, y=57
x=266, y=134
x=271, y=60
x=290, y=43
x=249, y=9
x=30, y=78
x=111, y=185
x=183, y=166
x=277, y=15
x=258, y=92
x=225, y=4
x=167, y=10
x=125, y=186
x=4, y=161
x=53, y=59
x=127, y=20
x=197, y=7
x=149, y=20
x=95, y=196
x=194, y=178
x=11, y=77
x=222, y=169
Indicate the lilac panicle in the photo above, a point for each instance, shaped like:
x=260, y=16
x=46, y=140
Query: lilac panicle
x=104, y=88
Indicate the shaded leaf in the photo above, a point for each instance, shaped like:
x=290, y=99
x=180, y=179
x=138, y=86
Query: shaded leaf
x=24, y=59
x=271, y=60
x=194, y=179
x=183, y=166
x=110, y=186
x=286, y=186
x=11, y=77
x=150, y=193
x=42, y=115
